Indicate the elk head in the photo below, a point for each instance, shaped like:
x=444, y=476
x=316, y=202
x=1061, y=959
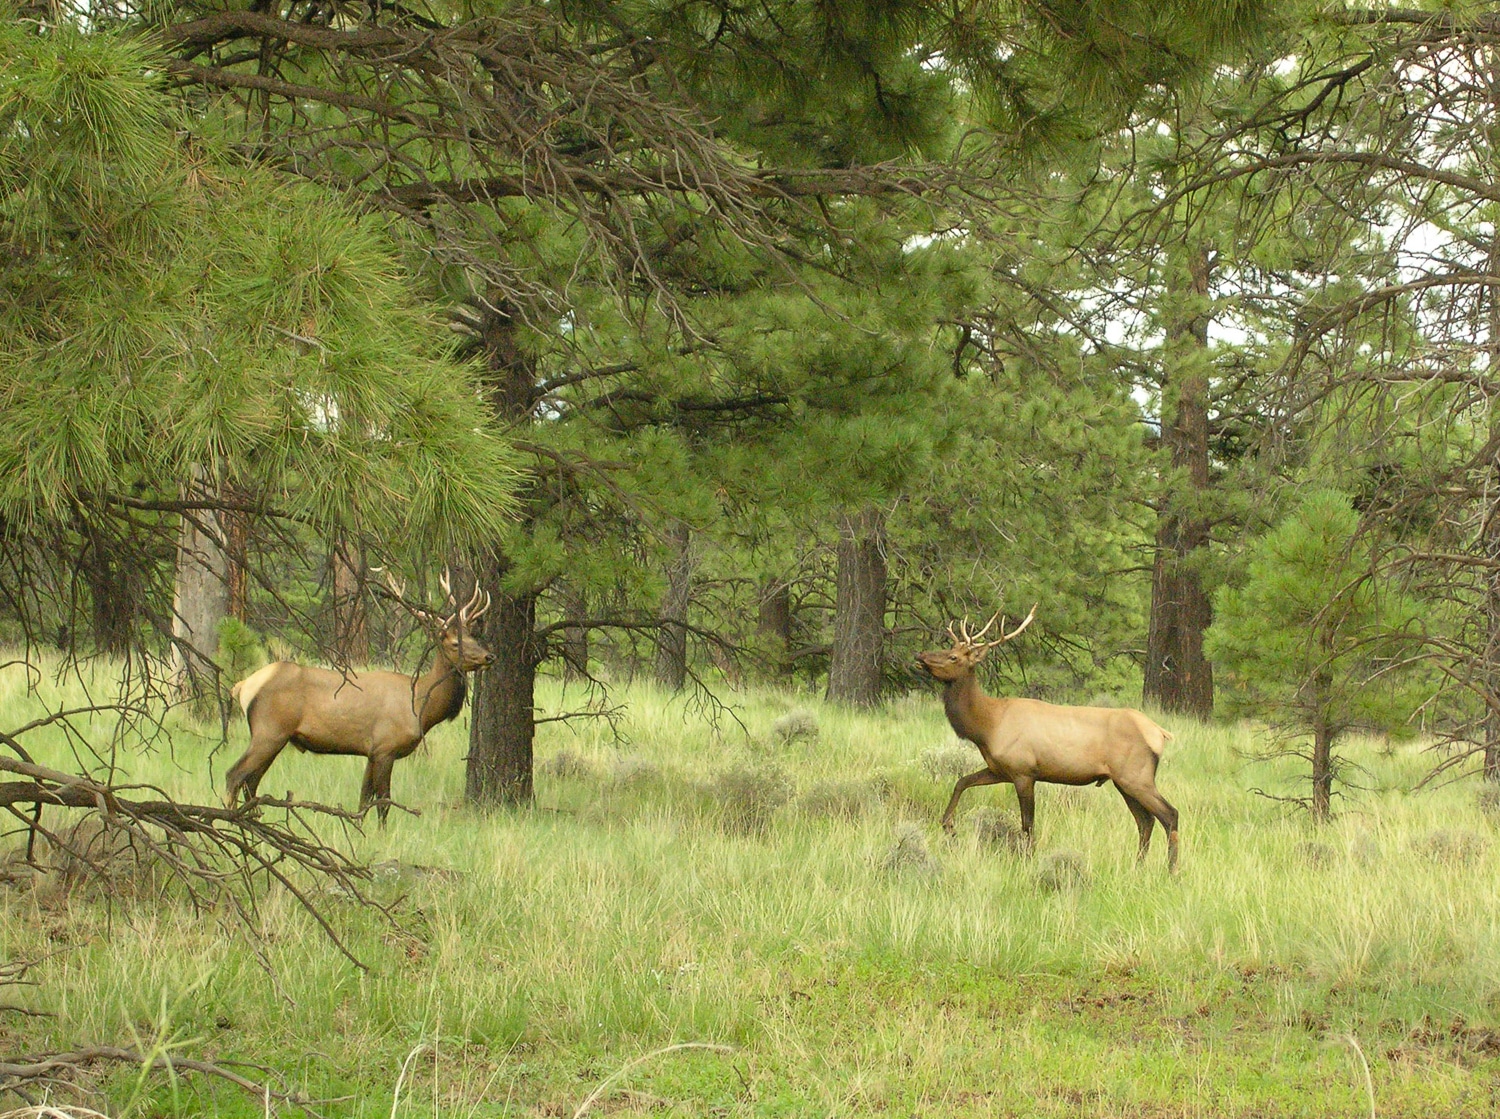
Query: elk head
x=968, y=649
x=452, y=633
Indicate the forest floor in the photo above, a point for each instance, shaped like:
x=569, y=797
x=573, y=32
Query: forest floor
x=789, y=898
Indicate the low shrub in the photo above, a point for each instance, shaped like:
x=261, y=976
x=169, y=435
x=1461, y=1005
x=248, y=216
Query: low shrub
x=567, y=765
x=1456, y=848
x=949, y=761
x=909, y=855
x=748, y=798
x=1062, y=870
x=796, y=726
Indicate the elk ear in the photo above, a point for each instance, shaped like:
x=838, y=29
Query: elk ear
x=979, y=654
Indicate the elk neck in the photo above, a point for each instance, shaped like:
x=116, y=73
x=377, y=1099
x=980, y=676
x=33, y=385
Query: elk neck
x=963, y=700
x=440, y=692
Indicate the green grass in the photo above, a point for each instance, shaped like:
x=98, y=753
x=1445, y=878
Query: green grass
x=632, y=909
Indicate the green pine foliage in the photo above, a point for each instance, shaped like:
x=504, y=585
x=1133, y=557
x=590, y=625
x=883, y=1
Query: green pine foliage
x=169, y=310
x=1314, y=640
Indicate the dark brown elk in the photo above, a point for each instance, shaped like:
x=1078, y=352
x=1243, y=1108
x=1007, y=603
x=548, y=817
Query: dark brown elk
x=382, y=716
x=1024, y=741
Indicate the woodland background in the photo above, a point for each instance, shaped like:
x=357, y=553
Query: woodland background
x=737, y=346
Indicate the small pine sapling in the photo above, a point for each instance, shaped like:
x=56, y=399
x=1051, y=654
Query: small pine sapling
x=1313, y=639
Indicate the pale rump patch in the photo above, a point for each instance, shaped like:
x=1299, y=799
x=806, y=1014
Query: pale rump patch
x=247, y=689
x=1159, y=741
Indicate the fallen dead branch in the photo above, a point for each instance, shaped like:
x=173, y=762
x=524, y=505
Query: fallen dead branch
x=54, y=1069
x=216, y=854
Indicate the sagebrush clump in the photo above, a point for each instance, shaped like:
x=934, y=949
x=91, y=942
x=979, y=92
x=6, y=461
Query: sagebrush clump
x=796, y=726
x=568, y=765
x=747, y=799
x=840, y=800
x=1062, y=870
x=949, y=761
x=909, y=855
x=1457, y=848
x=994, y=827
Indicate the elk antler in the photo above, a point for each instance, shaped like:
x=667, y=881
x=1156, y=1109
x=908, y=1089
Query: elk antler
x=466, y=614
x=398, y=591
x=986, y=629
x=1004, y=637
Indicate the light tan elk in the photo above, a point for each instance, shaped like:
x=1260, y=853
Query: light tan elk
x=1024, y=741
x=381, y=716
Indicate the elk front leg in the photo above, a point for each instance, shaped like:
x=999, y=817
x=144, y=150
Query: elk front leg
x=376, y=789
x=1026, y=797
x=983, y=777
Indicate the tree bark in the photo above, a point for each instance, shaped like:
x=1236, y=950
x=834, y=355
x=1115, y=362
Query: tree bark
x=200, y=600
x=1322, y=760
x=671, y=639
x=502, y=727
x=351, y=638
x=854, y=671
x=115, y=590
x=1490, y=532
x=1178, y=677
x=237, y=541
x=774, y=621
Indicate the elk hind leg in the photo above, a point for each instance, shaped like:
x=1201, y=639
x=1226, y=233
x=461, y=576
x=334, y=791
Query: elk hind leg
x=982, y=777
x=1166, y=816
x=244, y=775
x=1144, y=822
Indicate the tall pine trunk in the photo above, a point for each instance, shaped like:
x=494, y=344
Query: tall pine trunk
x=1490, y=545
x=115, y=587
x=1322, y=759
x=774, y=622
x=1490, y=531
x=671, y=638
x=854, y=670
x=237, y=539
x=502, y=726
x=351, y=638
x=200, y=598
x=1178, y=677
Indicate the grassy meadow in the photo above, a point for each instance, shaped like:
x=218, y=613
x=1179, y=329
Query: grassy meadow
x=776, y=885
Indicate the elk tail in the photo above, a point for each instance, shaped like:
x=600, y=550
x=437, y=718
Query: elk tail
x=1159, y=740
x=247, y=689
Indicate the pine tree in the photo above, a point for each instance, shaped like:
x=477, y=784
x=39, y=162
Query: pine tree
x=186, y=336
x=1314, y=640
